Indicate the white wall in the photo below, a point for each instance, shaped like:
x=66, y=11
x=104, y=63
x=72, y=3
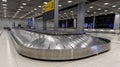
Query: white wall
x=9, y=22
x=50, y=24
x=39, y=24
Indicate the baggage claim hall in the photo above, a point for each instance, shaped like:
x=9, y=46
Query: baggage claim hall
x=59, y=33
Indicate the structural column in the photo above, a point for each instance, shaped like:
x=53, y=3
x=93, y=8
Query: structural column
x=94, y=18
x=81, y=17
x=117, y=22
x=56, y=14
x=44, y=25
x=75, y=23
x=33, y=19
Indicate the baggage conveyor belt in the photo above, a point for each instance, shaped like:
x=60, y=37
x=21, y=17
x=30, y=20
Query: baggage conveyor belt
x=57, y=47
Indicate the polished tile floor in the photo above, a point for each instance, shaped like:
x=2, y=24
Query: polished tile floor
x=10, y=58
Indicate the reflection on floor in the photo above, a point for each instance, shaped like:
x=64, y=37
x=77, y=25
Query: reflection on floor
x=10, y=58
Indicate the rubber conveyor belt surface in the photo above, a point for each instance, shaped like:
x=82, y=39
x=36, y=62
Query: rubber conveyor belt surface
x=62, y=47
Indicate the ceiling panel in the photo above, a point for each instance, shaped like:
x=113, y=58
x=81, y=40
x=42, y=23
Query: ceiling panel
x=26, y=12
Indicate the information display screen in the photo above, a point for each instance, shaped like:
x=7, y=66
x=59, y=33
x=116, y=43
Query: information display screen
x=30, y=22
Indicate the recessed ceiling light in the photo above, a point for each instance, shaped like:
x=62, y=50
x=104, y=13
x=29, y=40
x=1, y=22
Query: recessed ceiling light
x=105, y=14
x=18, y=11
x=70, y=1
x=92, y=15
x=24, y=4
x=71, y=11
x=106, y=3
x=39, y=6
x=4, y=4
x=29, y=12
x=88, y=11
x=106, y=10
x=21, y=7
x=111, y=12
x=65, y=13
x=45, y=2
x=119, y=8
x=99, y=9
x=35, y=8
x=91, y=7
x=4, y=7
x=4, y=0
x=32, y=11
x=95, y=12
x=60, y=5
x=114, y=6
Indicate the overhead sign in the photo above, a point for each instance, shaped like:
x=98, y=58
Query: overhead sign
x=48, y=7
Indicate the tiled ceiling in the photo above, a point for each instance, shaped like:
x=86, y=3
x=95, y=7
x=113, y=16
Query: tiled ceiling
x=100, y=7
x=31, y=9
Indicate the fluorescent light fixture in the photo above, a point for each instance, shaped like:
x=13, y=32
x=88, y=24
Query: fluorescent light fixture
x=16, y=14
x=119, y=8
x=5, y=12
x=71, y=11
x=4, y=4
x=91, y=7
x=60, y=5
x=99, y=9
x=18, y=11
x=105, y=14
x=4, y=0
x=24, y=4
x=35, y=8
x=111, y=12
x=21, y=7
x=29, y=12
x=106, y=10
x=88, y=11
x=106, y=3
x=32, y=11
x=4, y=7
x=65, y=13
x=92, y=15
x=45, y=3
x=39, y=6
x=114, y=6
x=70, y=1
